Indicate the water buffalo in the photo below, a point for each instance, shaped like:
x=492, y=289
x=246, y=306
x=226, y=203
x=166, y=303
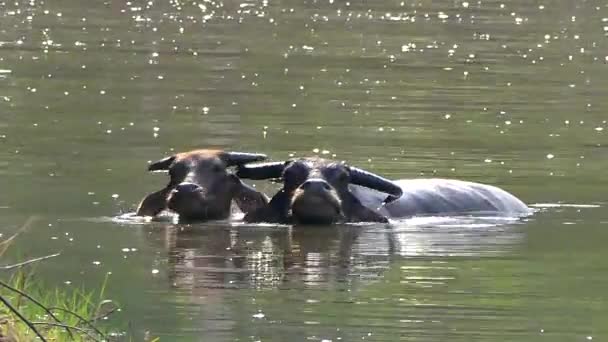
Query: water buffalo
x=316, y=191
x=200, y=186
x=322, y=191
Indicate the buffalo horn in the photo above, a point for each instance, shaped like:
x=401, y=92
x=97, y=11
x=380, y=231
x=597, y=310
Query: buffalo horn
x=372, y=181
x=162, y=164
x=240, y=158
x=261, y=171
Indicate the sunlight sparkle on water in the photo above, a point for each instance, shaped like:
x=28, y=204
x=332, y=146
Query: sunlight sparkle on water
x=365, y=81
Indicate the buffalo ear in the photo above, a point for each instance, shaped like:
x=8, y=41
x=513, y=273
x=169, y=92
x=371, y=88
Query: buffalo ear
x=373, y=181
x=153, y=204
x=276, y=211
x=247, y=198
x=261, y=171
x=240, y=158
x=355, y=211
x=162, y=164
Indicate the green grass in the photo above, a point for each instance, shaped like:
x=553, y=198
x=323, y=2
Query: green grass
x=31, y=312
x=77, y=312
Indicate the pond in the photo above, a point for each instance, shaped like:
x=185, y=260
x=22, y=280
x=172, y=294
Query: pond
x=506, y=93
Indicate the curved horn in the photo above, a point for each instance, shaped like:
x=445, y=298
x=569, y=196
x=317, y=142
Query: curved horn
x=261, y=171
x=239, y=158
x=373, y=181
x=162, y=164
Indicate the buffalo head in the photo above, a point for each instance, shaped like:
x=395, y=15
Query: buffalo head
x=316, y=191
x=200, y=186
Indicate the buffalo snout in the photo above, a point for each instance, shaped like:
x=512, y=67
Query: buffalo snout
x=316, y=201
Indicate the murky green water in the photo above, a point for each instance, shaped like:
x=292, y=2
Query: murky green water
x=512, y=94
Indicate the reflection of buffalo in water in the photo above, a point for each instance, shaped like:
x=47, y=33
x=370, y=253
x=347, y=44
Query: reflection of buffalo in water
x=222, y=275
x=201, y=188
x=321, y=191
x=224, y=257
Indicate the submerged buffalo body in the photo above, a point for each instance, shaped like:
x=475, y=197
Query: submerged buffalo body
x=322, y=191
x=201, y=187
x=434, y=196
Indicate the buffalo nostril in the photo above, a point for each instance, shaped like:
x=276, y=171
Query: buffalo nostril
x=187, y=187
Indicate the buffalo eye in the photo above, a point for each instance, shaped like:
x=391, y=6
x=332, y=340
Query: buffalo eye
x=177, y=172
x=293, y=176
x=172, y=172
x=343, y=177
x=289, y=175
x=216, y=168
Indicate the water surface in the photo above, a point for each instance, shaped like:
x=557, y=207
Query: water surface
x=506, y=93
